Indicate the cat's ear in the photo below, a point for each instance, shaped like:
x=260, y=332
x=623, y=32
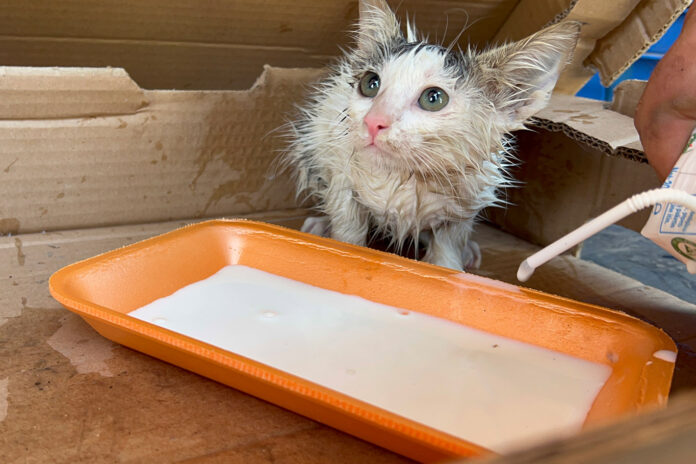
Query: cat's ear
x=377, y=25
x=519, y=77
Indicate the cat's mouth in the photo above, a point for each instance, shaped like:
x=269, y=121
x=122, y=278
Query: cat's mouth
x=381, y=156
x=377, y=148
x=373, y=148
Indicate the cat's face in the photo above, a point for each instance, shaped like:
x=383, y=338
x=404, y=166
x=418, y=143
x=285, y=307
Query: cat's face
x=425, y=108
x=404, y=107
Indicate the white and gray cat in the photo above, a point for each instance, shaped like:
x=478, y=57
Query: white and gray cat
x=410, y=139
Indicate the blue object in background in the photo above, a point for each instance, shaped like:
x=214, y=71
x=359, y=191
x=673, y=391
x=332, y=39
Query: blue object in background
x=641, y=69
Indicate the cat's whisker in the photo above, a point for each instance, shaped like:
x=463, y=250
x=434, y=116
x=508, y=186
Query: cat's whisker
x=455, y=41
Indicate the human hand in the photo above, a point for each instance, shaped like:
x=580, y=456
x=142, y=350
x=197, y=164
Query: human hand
x=666, y=114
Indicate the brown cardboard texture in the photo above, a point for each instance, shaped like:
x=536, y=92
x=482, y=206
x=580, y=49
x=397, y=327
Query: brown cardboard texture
x=566, y=183
x=211, y=45
x=578, y=162
x=87, y=147
x=626, y=97
x=614, y=34
x=591, y=124
x=598, y=18
x=619, y=49
x=224, y=44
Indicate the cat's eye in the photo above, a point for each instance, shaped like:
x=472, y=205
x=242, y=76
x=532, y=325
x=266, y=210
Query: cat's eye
x=369, y=84
x=433, y=99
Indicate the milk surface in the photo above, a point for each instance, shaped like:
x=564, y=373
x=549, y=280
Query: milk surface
x=493, y=391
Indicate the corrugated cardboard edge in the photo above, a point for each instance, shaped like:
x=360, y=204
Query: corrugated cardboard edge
x=90, y=148
x=645, y=25
x=62, y=93
x=590, y=123
x=563, y=184
x=598, y=17
x=529, y=16
x=626, y=97
x=614, y=36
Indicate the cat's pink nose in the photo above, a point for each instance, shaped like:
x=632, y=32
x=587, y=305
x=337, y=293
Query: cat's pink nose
x=376, y=123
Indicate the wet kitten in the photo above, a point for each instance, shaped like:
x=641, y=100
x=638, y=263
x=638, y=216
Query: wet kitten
x=410, y=139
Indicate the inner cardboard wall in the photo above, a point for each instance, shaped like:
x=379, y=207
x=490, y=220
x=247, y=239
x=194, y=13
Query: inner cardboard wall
x=75, y=161
x=563, y=184
x=213, y=45
x=223, y=45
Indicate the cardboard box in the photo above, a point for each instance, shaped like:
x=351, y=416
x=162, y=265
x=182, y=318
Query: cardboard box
x=224, y=44
x=91, y=160
x=579, y=160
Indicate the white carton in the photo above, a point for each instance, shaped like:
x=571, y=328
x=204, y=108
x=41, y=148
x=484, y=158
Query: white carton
x=671, y=225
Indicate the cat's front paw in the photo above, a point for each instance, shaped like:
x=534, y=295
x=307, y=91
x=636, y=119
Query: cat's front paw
x=317, y=225
x=471, y=256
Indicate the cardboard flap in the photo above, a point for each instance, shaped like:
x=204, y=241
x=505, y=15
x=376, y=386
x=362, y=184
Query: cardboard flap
x=619, y=49
x=590, y=123
x=185, y=154
x=529, y=16
x=52, y=93
x=626, y=97
x=598, y=18
x=614, y=34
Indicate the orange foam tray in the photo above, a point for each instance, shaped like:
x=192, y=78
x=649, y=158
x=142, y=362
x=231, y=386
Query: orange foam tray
x=104, y=289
